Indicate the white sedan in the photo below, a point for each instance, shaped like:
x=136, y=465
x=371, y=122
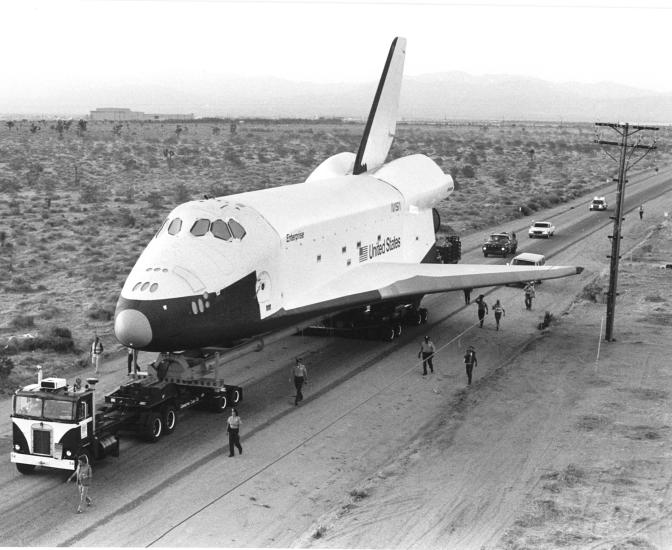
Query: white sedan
x=541, y=229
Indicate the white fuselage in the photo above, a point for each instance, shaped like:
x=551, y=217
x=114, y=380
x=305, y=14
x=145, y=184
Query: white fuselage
x=296, y=239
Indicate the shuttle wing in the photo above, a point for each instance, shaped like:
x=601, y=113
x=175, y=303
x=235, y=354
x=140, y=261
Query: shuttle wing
x=386, y=281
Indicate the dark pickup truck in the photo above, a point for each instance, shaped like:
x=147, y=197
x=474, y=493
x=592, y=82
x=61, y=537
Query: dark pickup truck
x=500, y=244
x=448, y=250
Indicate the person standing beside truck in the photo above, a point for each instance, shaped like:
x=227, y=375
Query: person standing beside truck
x=83, y=473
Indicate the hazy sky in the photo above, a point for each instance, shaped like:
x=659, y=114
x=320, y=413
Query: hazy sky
x=59, y=44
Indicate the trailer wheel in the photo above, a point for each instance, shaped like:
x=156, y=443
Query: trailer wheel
x=153, y=427
x=169, y=419
x=235, y=397
x=25, y=469
x=414, y=318
x=387, y=333
x=220, y=403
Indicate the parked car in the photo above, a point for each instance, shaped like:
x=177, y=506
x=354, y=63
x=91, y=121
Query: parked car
x=541, y=229
x=599, y=203
x=527, y=258
x=501, y=244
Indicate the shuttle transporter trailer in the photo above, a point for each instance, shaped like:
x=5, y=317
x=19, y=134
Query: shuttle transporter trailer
x=384, y=321
x=54, y=423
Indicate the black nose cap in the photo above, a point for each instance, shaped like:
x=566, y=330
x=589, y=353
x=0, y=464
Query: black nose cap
x=132, y=328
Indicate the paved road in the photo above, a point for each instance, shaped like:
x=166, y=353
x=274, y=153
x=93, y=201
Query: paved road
x=154, y=494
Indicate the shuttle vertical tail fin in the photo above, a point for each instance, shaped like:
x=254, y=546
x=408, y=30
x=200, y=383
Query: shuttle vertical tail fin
x=382, y=121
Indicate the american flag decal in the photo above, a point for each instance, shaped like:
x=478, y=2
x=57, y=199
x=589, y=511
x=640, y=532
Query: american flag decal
x=363, y=253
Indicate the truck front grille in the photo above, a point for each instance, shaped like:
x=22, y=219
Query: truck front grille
x=42, y=442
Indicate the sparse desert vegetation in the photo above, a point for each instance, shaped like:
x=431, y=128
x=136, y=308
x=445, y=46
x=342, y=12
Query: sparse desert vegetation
x=78, y=202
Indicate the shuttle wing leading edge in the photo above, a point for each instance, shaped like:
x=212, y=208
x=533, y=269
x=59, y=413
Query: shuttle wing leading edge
x=382, y=121
x=387, y=281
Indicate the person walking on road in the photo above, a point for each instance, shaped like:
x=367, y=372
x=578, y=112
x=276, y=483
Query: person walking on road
x=641, y=211
x=83, y=473
x=467, y=296
x=499, y=311
x=233, y=428
x=300, y=375
x=470, y=362
x=482, y=308
x=529, y=294
x=427, y=350
x=96, y=352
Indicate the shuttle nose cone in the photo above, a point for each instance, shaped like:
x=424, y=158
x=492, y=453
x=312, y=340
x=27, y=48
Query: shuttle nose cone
x=132, y=328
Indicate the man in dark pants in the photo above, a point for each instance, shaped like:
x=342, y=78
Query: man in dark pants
x=233, y=428
x=470, y=362
x=467, y=296
x=482, y=308
x=529, y=294
x=300, y=375
x=641, y=211
x=427, y=353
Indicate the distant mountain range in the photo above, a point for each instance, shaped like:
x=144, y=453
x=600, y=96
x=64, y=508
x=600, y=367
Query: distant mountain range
x=454, y=95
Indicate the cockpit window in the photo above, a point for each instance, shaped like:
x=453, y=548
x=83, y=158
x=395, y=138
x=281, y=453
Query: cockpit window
x=220, y=230
x=160, y=228
x=200, y=227
x=237, y=230
x=175, y=226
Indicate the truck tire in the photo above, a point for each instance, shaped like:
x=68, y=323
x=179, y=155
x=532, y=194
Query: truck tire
x=387, y=333
x=219, y=403
x=152, y=427
x=25, y=469
x=414, y=319
x=234, y=396
x=169, y=419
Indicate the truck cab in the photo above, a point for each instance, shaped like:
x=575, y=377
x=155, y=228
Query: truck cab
x=500, y=244
x=53, y=424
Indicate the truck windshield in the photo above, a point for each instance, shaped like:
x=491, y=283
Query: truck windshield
x=36, y=407
x=28, y=406
x=58, y=410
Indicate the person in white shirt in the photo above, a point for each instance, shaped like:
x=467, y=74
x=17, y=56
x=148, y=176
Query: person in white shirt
x=427, y=350
x=300, y=375
x=233, y=427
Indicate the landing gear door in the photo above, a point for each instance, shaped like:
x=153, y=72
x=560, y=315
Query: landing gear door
x=264, y=291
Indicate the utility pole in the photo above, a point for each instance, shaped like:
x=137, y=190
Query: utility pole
x=625, y=130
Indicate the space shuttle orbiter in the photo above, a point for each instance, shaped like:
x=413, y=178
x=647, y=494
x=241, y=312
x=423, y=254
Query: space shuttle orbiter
x=357, y=233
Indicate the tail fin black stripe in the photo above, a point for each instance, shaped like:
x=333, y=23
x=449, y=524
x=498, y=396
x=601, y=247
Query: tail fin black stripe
x=358, y=167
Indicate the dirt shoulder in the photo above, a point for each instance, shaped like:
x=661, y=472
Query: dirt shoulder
x=554, y=447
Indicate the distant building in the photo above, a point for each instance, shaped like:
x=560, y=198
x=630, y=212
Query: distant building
x=116, y=113
x=113, y=113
